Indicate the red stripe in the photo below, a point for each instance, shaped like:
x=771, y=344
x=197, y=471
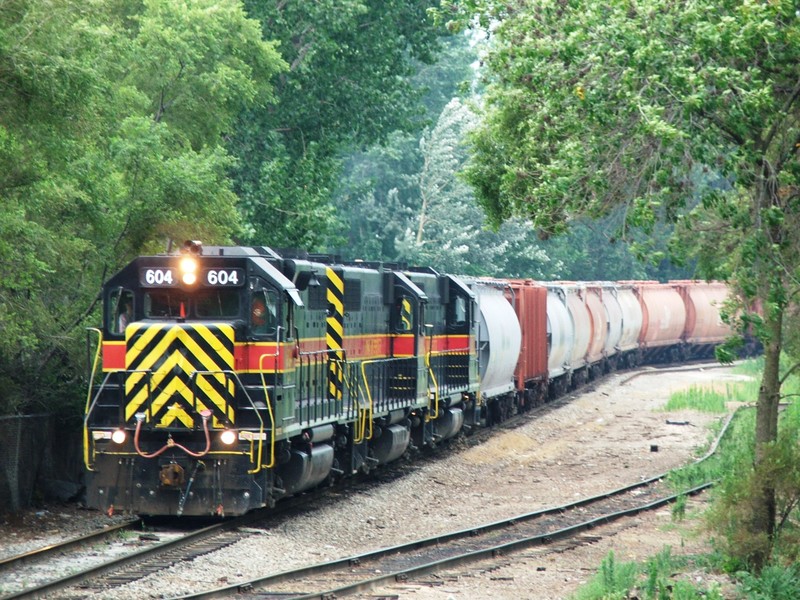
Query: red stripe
x=248, y=357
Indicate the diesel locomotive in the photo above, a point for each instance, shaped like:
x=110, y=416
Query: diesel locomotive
x=227, y=378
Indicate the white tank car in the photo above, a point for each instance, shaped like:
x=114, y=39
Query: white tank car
x=499, y=339
x=560, y=332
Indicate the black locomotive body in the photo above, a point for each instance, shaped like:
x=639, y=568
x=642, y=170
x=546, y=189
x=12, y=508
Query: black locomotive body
x=233, y=376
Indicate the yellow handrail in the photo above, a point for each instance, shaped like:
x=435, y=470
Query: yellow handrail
x=435, y=414
x=89, y=399
x=271, y=416
x=362, y=413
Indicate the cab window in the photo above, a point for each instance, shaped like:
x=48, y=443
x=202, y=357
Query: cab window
x=165, y=304
x=218, y=303
x=404, y=315
x=120, y=313
x=264, y=312
x=457, y=313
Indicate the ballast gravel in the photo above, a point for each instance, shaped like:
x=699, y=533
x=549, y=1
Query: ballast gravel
x=612, y=434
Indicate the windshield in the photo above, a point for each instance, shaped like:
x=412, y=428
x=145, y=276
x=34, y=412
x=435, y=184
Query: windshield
x=217, y=303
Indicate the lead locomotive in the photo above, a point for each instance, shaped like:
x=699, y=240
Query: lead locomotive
x=233, y=376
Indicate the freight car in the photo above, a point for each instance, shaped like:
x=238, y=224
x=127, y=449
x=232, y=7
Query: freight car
x=227, y=378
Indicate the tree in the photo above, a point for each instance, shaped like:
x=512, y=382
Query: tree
x=110, y=144
x=592, y=106
x=347, y=86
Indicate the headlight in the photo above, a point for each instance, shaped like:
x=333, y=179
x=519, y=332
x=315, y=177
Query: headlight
x=118, y=436
x=228, y=437
x=188, y=268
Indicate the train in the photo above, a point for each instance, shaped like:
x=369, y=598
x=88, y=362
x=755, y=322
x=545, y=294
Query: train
x=226, y=378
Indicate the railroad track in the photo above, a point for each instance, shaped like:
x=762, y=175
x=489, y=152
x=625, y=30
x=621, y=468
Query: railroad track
x=127, y=566
x=363, y=572
x=46, y=553
x=137, y=564
x=565, y=526
x=161, y=556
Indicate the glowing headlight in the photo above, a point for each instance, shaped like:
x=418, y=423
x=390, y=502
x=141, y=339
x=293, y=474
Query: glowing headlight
x=118, y=436
x=228, y=437
x=188, y=268
x=188, y=264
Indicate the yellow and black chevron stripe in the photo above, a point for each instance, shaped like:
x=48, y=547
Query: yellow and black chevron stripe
x=334, y=336
x=163, y=358
x=405, y=315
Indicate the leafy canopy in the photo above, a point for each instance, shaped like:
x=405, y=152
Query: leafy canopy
x=110, y=143
x=591, y=105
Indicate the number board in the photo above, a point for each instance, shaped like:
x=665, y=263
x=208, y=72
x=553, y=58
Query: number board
x=168, y=277
x=223, y=277
x=158, y=277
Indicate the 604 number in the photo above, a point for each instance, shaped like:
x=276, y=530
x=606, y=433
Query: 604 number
x=156, y=277
x=224, y=277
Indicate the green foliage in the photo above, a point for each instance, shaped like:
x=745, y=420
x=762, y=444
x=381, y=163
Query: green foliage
x=655, y=580
x=110, y=145
x=612, y=581
x=678, y=509
x=733, y=511
x=773, y=583
x=698, y=398
x=591, y=105
x=735, y=449
x=404, y=202
x=348, y=85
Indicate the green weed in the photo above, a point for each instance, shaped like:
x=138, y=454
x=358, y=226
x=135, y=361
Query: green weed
x=697, y=398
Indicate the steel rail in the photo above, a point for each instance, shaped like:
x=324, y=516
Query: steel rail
x=490, y=551
x=133, y=558
x=506, y=526
x=46, y=552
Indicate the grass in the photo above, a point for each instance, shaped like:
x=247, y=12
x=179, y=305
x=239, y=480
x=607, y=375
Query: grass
x=699, y=398
x=659, y=578
x=653, y=580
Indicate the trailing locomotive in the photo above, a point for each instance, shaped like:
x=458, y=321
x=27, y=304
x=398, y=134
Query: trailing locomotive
x=227, y=378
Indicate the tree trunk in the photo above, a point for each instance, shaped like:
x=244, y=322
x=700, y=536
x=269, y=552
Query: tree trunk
x=764, y=504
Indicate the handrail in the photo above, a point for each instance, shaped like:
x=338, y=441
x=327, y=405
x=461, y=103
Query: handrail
x=89, y=402
x=271, y=414
x=362, y=413
x=435, y=412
